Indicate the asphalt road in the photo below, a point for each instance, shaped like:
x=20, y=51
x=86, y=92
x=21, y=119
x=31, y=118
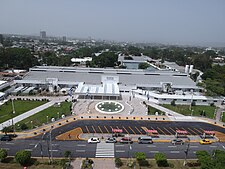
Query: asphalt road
x=83, y=149
x=136, y=127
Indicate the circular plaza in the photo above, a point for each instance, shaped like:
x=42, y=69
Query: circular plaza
x=109, y=107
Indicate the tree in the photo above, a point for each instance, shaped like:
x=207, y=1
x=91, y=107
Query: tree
x=3, y=154
x=67, y=154
x=161, y=160
x=118, y=162
x=141, y=159
x=143, y=65
x=173, y=102
x=23, y=126
x=7, y=129
x=23, y=157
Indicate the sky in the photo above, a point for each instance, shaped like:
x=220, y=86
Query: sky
x=159, y=21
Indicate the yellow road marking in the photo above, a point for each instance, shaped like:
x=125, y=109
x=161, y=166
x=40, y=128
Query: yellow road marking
x=93, y=129
x=161, y=131
x=167, y=131
x=197, y=130
x=100, y=129
x=106, y=129
x=172, y=130
x=87, y=130
x=144, y=128
x=132, y=130
x=193, y=131
x=138, y=130
x=126, y=130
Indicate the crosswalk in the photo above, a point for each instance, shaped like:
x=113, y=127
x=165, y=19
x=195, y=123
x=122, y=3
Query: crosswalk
x=105, y=150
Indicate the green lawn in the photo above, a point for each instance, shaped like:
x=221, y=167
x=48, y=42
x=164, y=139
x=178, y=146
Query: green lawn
x=21, y=106
x=152, y=111
x=41, y=117
x=197, y=110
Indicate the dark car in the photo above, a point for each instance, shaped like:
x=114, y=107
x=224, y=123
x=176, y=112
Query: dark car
x=6, y=138
x=111, y=140
x=177, y=141
x=126, y=140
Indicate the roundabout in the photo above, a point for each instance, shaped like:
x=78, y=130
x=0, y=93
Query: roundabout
x=109, y=107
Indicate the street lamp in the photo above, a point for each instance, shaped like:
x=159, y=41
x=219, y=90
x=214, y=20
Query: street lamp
x=13, y=108
x=47, y=118
x=186, y=152
x=31, y=122
x=40, y=148
x=58, y=115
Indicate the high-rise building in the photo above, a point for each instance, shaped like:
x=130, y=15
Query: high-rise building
x=42, y=34
x=64, y=38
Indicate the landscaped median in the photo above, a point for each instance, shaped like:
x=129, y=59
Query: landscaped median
x=197, y=110
x=45, y=116
x=21, y=106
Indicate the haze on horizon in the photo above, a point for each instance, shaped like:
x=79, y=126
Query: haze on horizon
x=160, y=21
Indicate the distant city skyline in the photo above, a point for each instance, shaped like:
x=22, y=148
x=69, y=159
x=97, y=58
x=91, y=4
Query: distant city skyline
x=169, y=22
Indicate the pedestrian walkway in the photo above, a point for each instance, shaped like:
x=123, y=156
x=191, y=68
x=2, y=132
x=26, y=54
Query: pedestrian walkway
x=104, y=163
x=105, y=150
x=76, y=163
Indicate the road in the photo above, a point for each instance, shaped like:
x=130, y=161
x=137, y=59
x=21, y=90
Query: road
x=83, y=149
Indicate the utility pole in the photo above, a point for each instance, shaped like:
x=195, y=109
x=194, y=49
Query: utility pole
x=51, y=144
x=186, y=152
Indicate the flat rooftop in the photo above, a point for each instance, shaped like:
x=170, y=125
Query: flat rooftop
x=93, y=76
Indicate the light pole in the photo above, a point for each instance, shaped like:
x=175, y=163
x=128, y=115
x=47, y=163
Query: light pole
x=31, y=122
x=186, y=152
x=58, y=115
x=40, y=148
x=47, y=119
x=192, y=92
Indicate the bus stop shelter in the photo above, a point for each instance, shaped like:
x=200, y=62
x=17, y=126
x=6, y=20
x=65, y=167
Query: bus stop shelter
x=208, y=134
x=181, y=133
x=153, y=133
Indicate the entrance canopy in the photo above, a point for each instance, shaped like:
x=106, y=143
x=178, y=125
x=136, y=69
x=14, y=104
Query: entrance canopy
x=117, y=130
x=182, y=132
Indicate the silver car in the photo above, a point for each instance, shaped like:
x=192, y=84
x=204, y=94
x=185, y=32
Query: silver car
x=111, y=140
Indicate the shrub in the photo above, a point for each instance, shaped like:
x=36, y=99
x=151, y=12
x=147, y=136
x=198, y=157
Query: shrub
x=3, y=154
x=141, y=158
x=173, y=103
x=67, y=154
x=118, y=162
x=23, y=126
x=23, y=157
x=193, y=103
x=161, y=160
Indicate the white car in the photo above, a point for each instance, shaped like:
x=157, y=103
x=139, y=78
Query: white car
x=93, y=140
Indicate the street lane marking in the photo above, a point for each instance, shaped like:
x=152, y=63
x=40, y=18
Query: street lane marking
x=55, y=144
x=10, y=143
x=167, y=131
x=93, y=129
x=153, y=151
x=100, y=129
x=120, y=151
x=201, y=129
x=198, y=131
x=81, y=145
x=132, y=130
x=144, y=128
x=126, y=130
x=111, y=128
x=5, y=148
x=54, y=150
x=119, y=145
x=194, y=152
x=161, y=131
x=138, y=130
x=28, y=149
x=213, y=146
x=32, y=144
x=174, y=151
x=106, y=129
x=193, y=146
x=80, y=151
x=172, y=146
x=151, y=146
x=87, y=129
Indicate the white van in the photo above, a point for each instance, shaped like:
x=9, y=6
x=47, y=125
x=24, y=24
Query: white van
x=145, y=140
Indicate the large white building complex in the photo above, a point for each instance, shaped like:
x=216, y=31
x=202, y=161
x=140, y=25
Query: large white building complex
x=102, y=83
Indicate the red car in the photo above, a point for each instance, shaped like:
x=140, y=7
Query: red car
x=126, y=140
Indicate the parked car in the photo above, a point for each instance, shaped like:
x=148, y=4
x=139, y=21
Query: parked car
x=126, y=140
x=6, y=138
x=111, y=140
x=177, y=141
x=145, y=140
x=93, y=140
x=205, y=141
